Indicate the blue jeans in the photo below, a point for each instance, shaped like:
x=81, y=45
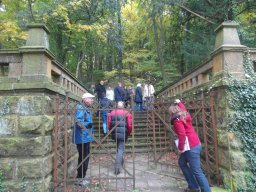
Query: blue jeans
x=119, y=155
x=189, y=162
x=149, y=102
x=138, y=107
x=104, y=122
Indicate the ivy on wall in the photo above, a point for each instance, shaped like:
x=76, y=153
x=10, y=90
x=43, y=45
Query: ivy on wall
x=2, y=185
x=243, y=121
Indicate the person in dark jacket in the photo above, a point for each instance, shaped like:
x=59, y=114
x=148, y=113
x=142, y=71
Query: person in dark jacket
x=100, y=89
x=131, y=95
x=127, y=97
x=138, y=98
x=119, y=93
x=121, y=121
x=82, y=136
x=105, y=105
x=189, y=160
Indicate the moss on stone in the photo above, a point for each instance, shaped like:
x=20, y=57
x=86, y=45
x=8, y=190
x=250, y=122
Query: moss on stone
x=218, y=189
x=40, y=124
x=19, y=146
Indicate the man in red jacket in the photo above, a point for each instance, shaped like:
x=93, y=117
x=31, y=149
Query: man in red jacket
x=189, y=160
x=120, y=120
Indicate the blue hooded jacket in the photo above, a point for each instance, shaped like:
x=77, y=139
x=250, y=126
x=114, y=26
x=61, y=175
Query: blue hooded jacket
x=119, y=93
x=82, y=115
x=106, y=104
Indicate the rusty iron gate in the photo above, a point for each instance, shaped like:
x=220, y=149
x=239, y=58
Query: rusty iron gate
x=100, y=173
x=164, y=152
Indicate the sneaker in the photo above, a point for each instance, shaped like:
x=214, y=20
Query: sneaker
x=84, y=183
x=77, y=182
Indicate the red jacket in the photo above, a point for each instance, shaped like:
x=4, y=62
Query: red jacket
x=184, y=128
x=121, y=112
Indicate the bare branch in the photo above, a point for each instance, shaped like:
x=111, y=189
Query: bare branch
x=30, y=10
x=209, y=2
x=188, y=10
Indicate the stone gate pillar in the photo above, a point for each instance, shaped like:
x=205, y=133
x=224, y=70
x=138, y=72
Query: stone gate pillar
x=228, y=61
x=28, y=88
x=36, y=55
x=228, y=53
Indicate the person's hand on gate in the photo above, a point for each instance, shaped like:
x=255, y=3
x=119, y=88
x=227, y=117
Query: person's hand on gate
x=80, y=125
x=89, y=126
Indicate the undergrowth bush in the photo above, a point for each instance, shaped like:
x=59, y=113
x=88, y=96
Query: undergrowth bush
x=2, y=185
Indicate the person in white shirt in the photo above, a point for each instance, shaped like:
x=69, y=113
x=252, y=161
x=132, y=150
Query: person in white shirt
x=148, y=94
x=110, y=93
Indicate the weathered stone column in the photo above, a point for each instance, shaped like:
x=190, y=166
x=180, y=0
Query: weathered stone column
x=26, y=115
x=27, y=105
x=36, y=61
x=228, y=62
x=228, y=53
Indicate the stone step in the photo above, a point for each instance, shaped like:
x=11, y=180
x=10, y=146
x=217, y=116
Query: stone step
x=129, y=148
x=140, y=137
x=143, y=137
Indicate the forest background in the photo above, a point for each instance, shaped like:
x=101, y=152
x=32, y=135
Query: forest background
x=127, y=40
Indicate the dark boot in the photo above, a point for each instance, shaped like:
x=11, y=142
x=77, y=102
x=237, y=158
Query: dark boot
x=117, y=171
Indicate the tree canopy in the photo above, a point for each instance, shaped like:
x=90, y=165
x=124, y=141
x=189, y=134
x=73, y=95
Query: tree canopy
x=131, y=40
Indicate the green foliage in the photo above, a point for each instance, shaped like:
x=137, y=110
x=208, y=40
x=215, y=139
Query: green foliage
x=23, y=185
x=217, y=189
x=159, y=36
x=2, y=185
x=99, y=75
x=110, y=74
x=34, y=188
x=243, y=121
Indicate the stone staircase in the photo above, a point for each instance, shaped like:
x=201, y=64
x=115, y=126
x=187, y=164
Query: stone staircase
x=143, y=137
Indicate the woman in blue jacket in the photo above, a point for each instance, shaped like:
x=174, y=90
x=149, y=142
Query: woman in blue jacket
x=82, y=136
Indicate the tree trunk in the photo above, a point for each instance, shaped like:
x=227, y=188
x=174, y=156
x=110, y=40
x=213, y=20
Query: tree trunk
x=120, y=42
x=59, y=46
x=78, y=66
x=159, y=50
x=109, y=58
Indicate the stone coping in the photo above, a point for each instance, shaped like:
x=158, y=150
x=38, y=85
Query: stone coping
x=55, y=62
x=38, y=25
x=36, y=49
x=9, y=51
x=227, y=47
x=227, y=24
x=42, y=50
x=36, y=87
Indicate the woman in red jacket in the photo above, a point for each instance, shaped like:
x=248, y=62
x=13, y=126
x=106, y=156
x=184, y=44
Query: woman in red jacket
x=189, y=161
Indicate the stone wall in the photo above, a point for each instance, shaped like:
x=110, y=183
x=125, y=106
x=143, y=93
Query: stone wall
x=26, y=141
x=30, y=80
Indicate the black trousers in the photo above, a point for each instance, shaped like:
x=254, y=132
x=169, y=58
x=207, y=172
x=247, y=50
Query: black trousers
x=83, y=150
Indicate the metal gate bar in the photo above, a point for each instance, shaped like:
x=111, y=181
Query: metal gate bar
x=63, y=152
x=202, y=112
